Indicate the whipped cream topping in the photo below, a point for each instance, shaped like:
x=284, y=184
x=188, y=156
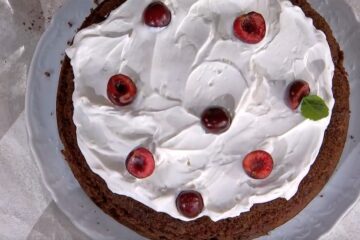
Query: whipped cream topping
x=180, y=70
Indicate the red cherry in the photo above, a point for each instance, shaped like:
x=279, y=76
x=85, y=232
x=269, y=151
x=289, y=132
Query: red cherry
x=297, y=91
x=190, y=203
x=250, y=28
x=216, y=120
x=121, y=90
x=140, y=163
x=258, y=164
x=157, y=15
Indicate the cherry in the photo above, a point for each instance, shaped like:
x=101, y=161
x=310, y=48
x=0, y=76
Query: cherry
x=216, y=120
x=189, y=203
x=157, y=15
x=121, y=90
x=258, y=164
x=250, y=28
x=140, y=163
x=297, y=91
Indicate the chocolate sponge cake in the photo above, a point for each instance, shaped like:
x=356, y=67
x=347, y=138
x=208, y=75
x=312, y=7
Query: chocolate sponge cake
x=262, y=217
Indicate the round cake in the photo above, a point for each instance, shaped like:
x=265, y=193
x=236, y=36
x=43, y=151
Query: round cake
x=203, y=119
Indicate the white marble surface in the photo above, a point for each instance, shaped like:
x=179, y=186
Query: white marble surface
x=26, y=208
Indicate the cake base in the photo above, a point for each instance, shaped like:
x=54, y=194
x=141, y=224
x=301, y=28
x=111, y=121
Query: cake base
x=262, y=218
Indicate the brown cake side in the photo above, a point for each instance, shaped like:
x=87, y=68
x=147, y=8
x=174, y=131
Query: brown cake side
x=262, y=218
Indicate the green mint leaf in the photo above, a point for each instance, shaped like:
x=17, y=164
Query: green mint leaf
x=314, y=108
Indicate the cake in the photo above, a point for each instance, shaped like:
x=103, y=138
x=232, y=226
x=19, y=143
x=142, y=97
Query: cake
x=237, y=111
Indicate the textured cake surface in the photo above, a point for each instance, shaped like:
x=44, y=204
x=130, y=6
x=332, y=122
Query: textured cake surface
x=262, y=217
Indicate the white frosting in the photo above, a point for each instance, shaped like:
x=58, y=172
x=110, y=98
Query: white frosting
x=194, y=63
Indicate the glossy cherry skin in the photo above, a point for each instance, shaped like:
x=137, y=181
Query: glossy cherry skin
x=157, y=14
x=121, y=90
x=216, y=120
x=250, y=28
x=190, y=203
x=258, y=164
x=297, y=91
x=140, y=163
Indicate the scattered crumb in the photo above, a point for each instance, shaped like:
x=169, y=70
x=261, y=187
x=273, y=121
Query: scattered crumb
x=61, y=62
x=98, y=223
x=47, y=74
x=70, y=24
x=352, y=137
x=321, y=196
x=51, y=114
x=33, y=25
x=188, y=163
